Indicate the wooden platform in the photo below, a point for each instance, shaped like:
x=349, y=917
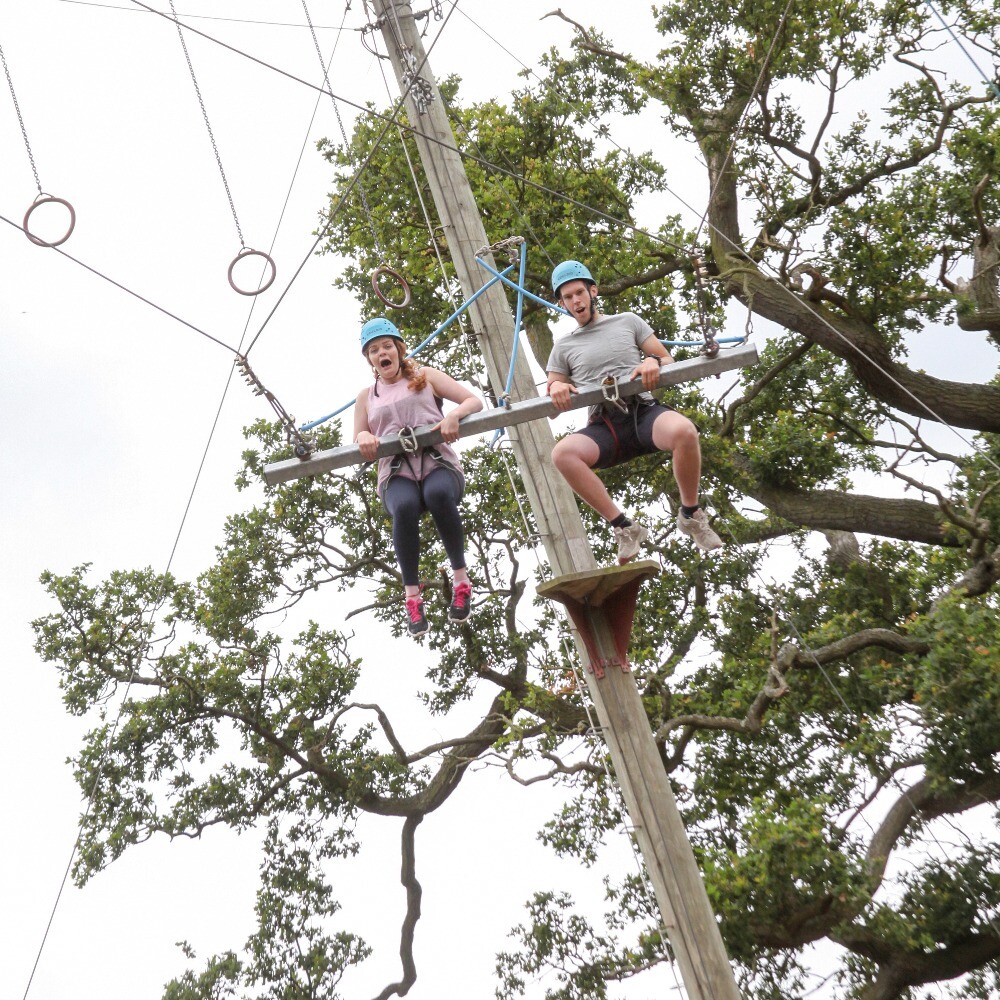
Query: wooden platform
x=601, y=603
x=595, y=586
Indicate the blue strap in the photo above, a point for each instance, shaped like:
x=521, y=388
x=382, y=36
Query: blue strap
x=416, y=350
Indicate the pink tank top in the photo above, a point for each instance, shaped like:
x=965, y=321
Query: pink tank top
x=396, y=407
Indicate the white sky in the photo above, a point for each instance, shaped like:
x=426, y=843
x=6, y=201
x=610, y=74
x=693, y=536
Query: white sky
x=105, y=412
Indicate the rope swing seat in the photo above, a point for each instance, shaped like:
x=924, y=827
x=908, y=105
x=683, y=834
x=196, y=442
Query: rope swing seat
x=539, y=408
x=711, y=362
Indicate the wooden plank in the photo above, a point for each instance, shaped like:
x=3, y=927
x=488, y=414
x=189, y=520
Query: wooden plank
x=517, y=413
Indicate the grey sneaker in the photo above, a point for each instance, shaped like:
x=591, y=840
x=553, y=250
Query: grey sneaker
x=700, y=531
x=630, y=540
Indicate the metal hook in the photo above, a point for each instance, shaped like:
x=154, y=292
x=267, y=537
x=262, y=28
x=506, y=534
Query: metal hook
x=408, y=439
x=609, y=390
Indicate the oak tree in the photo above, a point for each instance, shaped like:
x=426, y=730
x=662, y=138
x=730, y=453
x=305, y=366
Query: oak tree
x=830, y=721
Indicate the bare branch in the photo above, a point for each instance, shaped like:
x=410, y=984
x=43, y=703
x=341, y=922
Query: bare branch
x=408, y=876
x=588, y=43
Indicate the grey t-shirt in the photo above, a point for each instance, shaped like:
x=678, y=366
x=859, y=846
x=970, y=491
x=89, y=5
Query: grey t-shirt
x=610, y=345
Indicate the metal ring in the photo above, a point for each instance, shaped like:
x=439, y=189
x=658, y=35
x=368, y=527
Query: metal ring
x=385, y=269
x=247, y=252
x=41, y=200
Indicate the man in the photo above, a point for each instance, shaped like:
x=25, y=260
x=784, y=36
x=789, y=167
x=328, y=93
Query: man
x=625, y=347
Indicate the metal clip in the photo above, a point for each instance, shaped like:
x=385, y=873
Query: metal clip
x=510, y=246
x=408, y=439
x=420, y=91
x=609, y=390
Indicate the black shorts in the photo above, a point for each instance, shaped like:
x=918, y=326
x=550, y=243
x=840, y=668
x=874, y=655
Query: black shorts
x=623, y=436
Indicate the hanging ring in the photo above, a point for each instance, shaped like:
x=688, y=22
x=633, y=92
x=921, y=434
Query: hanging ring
x=247, y=252
x=41, y=200
x=396, y=276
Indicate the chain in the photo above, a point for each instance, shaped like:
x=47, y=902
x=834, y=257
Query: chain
x=711, y=348
x=510, y=247
x=208, y=124
x=20, y=120
x=303, y=445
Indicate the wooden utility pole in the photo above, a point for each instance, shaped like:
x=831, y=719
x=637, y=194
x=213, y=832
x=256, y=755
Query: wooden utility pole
x=688, y=920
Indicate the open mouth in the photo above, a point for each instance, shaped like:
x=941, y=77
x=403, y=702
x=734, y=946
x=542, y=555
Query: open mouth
x=385, y=363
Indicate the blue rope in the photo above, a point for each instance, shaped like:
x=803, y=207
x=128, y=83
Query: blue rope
x=416, y=350
x=505, y=399
x=517, y=325
x=701, y=343
x=521, y=293
x=520, y=290
x=549, y=305
x=957, y=40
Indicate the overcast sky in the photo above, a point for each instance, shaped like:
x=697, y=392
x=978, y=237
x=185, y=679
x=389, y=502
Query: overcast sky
x=105, y=412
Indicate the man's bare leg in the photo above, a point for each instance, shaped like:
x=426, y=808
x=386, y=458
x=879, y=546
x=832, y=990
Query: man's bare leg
x=673, y=432
x=575, y=457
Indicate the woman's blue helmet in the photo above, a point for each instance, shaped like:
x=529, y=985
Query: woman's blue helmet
x=378, y=327
x=570, y=270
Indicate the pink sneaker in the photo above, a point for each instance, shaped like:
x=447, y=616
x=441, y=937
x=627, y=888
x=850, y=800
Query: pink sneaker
x=461, y=602
x=417, y=624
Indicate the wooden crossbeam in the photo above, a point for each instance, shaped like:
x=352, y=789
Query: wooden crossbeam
x=504, y=416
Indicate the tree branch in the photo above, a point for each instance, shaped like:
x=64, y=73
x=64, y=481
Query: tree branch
x=408, y=876
x=908, y=520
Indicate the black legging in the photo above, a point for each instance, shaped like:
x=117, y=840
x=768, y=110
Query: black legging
x=441, y=493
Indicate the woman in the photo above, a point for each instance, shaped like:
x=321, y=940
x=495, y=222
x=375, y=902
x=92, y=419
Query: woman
x=429, y=479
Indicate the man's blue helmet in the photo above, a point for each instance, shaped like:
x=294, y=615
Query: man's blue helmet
x=570, y=270
x=378, y=327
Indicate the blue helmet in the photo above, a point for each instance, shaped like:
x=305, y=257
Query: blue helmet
x=570, y=270
x=378, y=327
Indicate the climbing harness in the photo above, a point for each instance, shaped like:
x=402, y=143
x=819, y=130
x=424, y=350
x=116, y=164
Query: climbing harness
x=245, y=251
x=42, y=198
x=302, y=445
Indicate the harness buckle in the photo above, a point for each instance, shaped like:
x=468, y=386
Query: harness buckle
x=408, y=439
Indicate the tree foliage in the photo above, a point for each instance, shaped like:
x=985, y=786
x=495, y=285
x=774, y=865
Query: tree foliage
x=833, y=735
